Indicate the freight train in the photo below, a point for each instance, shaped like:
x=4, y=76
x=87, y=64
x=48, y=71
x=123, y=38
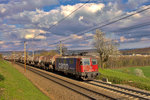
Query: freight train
x=82, y=67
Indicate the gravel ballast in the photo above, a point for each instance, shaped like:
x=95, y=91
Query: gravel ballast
x=49, y=88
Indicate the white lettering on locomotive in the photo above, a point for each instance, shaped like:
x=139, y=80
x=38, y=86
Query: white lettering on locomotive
x=63, y=66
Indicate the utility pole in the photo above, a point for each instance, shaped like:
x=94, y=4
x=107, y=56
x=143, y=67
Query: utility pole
x=33, y=53
x=25, y=55
x=14, y=56
x=60, y=48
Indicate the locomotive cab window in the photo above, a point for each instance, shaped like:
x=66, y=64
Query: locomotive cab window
x=94, y=62
x=86, y=61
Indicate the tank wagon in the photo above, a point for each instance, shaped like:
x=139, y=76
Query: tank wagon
x=43, y=62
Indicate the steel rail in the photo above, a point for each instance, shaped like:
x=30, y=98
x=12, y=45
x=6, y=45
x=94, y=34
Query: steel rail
x=128, y=89
x=115, y=88
x=49, y=77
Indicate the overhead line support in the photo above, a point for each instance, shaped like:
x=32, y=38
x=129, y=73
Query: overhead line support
x=25, y=56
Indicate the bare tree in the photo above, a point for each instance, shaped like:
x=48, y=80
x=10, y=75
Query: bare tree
x=104, y=46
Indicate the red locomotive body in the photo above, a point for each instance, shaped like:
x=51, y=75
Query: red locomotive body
x=80, y=66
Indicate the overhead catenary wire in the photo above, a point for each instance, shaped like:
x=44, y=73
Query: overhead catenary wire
x=89, y=38
x=86, y=39
x=61, y=20
x=93, y=28
x=132, y=40
x=85, y=30
x=101, y=26
x=135, y=27
x=129, y=29
x=104, y=25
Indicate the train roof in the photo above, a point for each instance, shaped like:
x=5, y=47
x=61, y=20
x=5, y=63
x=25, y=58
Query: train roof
x=76, y=57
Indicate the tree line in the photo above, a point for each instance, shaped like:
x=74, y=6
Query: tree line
x=127, y=61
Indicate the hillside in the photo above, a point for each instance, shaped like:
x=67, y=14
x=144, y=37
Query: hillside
x=142, y=51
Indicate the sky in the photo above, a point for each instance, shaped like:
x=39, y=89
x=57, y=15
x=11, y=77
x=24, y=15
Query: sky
x=38, y=23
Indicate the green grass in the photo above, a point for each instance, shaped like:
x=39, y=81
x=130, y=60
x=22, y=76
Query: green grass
x=130, y=70
x=16, y=86
x=1, y=77
x=125, y=78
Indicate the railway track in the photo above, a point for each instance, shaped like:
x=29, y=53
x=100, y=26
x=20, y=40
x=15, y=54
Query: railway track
x=92, y=94
x=88, y=93
x=137, y=94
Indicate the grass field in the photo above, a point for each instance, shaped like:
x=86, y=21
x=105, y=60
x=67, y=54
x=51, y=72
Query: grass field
x=131, y=70
x=1, y=77
x=16, y=86
x=119, y=76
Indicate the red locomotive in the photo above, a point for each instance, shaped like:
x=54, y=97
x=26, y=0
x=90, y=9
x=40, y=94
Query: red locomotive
x=82, y=67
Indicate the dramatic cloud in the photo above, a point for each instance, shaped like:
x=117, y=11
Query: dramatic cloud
x=32, y=20
x=16, y=6
x=123, y=39
x=74, y=36
x=1, y=42
x=80, y=18
x=29, y=36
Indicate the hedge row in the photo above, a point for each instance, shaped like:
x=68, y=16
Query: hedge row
x=127, y=61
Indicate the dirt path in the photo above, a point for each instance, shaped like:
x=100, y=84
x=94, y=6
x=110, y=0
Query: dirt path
x=49, y=88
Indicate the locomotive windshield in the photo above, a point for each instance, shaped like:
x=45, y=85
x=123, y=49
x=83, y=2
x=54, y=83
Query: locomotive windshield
x=85, y=62
x=94, y=62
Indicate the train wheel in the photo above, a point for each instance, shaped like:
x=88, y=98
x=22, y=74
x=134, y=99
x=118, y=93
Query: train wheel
x=84, y=78
x=77, y=77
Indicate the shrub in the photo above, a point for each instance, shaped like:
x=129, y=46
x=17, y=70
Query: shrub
x=139, y=72
x=1, y=77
